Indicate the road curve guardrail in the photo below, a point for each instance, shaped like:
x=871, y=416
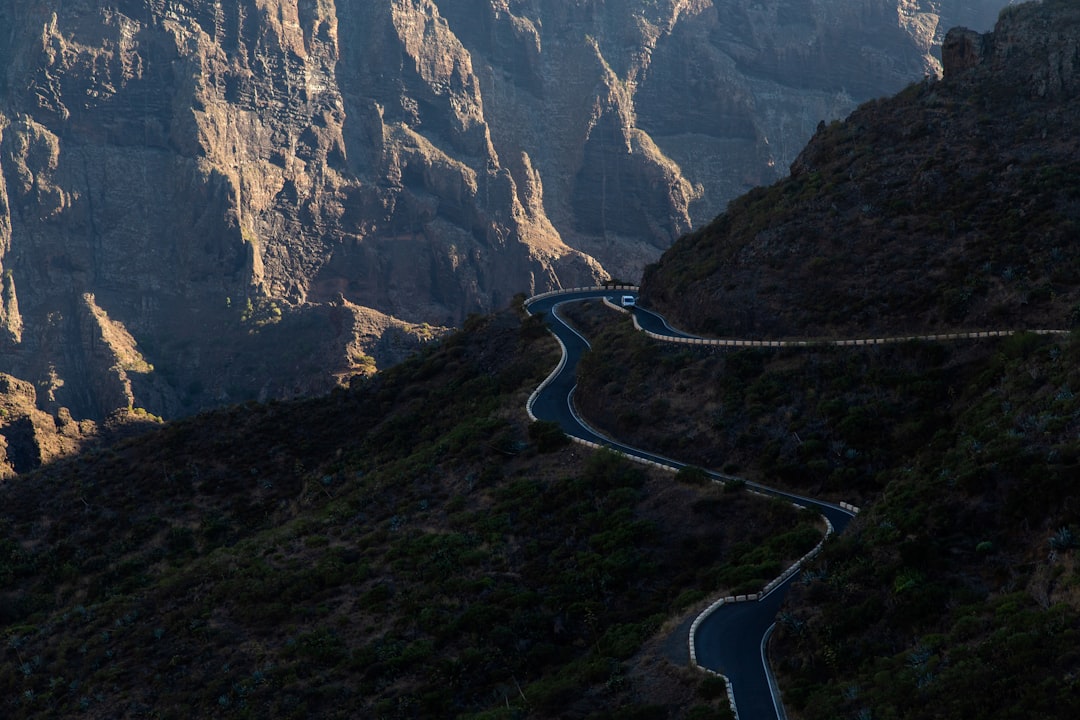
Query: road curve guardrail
x=570, y=291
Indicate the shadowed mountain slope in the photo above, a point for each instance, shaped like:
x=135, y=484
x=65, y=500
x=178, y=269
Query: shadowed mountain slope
x=954, y=204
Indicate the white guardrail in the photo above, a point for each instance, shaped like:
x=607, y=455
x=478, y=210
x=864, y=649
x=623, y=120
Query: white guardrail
x=725, y=342
x=797, y=565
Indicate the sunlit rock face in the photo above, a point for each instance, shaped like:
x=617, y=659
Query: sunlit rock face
x=203, y=202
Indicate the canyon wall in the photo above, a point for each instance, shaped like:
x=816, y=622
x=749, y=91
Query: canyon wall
x=205, y=202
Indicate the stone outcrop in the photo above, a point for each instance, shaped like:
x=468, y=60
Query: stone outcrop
x=29, y=436
x=230, y=183
x=1035, y=48
x=963, y=48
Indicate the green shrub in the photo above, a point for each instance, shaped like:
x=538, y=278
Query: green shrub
x=692, y=475
x=713, y=687
x=547, y=435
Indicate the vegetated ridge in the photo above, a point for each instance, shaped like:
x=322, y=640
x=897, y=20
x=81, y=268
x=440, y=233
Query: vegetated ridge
x=951, y=205
x=954, y=592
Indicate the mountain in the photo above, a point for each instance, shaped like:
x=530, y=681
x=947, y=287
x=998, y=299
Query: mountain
x=950, y=205
x=953, y=593
x=202, y=203
x=412, y=546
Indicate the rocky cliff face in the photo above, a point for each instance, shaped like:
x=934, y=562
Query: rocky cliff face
x=1033, y=49
x=202, y=202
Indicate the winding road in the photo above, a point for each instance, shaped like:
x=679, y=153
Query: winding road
x=729, y=638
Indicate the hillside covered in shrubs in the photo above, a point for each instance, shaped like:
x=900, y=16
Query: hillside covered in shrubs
x=411, y=547
x=956, y=591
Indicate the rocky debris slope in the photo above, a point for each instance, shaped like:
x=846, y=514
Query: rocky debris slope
x=225, y=180
x=951, y=205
